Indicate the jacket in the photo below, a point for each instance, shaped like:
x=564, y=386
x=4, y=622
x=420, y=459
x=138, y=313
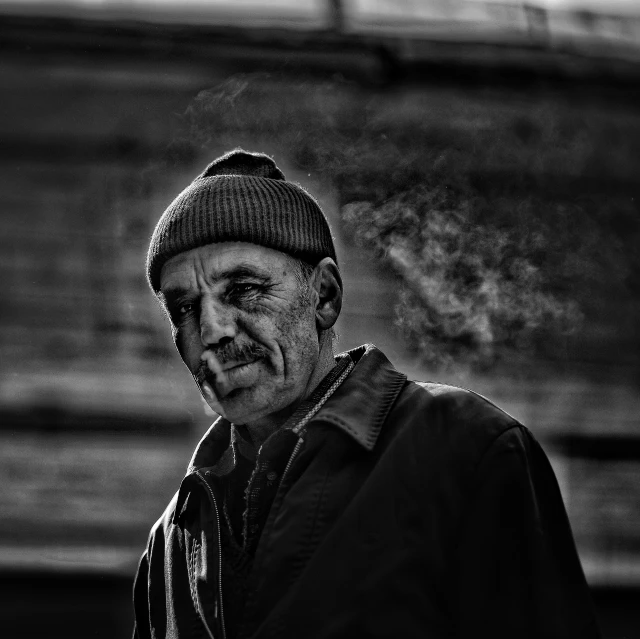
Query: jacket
x=412, y=510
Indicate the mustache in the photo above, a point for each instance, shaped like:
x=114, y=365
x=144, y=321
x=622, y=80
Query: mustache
x=229, y=353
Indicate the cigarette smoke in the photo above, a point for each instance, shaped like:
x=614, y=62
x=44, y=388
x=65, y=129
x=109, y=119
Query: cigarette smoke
x=472, y=292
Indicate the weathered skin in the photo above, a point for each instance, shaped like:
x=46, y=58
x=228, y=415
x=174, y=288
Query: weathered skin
x=253, y=335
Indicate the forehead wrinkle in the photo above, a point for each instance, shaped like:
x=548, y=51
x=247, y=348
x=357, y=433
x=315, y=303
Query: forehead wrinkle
x=243, y=269
x=169, y=293
x=196, y=270
x=213, y=274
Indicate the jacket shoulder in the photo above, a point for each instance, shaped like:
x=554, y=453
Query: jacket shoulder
x=162, y=525
x=457, y=401
x=452, y=417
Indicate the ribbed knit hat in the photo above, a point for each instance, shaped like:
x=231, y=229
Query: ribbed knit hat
x=241, y=197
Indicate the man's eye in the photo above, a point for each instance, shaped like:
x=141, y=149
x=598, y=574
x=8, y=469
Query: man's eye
x=184, y=309
x=243, y=290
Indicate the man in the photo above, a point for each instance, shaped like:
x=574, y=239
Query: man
x=333, y=497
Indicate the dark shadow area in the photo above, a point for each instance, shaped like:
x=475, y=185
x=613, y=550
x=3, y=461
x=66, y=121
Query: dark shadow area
x=36, y=605
x=59, y=419
x=617, y=611
x=39, y=605
x=369, y=59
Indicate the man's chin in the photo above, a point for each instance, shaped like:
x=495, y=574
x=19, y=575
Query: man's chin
x=240, y=414
x=240, y=404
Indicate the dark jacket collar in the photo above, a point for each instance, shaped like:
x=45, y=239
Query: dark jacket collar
x=361, y=403
x=358, y=407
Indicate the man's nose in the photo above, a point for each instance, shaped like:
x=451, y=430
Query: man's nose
x=217, y=324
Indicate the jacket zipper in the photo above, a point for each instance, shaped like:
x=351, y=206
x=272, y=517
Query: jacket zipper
x=215, y=506
x=299, y=428
x=296, y=449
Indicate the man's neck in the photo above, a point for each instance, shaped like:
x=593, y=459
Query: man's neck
x=258, y=432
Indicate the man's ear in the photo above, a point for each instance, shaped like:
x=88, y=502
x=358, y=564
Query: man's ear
x=327, y=283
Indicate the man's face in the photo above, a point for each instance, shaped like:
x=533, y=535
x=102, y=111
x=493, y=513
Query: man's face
x=244, y=325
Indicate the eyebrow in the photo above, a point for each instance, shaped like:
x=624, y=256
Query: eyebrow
x=240, y=271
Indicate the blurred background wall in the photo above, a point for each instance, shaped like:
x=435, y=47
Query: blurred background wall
x=479, y=161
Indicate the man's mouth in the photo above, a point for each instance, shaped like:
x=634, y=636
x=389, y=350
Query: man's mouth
x=229, y=366
x=233, y=374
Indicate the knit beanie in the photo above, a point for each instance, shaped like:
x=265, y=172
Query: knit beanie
x=241, y=197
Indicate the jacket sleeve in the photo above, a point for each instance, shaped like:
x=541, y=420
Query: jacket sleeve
x=149, y=587
x=518, y=571
x=141, y=628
